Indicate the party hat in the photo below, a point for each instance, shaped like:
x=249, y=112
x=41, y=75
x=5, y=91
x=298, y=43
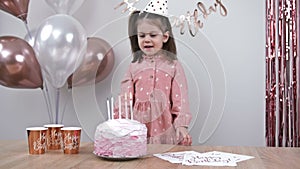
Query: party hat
x=159, y=7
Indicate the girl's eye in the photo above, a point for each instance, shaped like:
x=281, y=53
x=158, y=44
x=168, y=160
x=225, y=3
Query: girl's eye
x=141, y=35
x=152, y=35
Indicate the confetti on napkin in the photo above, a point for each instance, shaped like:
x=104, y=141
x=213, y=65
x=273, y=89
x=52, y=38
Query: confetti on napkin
x=236, y=157
x=173, y=157
x=213, y=158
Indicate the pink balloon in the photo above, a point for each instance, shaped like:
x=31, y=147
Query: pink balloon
x=19, y=67
x=97, y=63
x=18, y=8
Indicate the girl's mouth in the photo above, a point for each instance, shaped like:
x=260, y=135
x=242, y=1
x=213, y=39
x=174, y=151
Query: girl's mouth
x=148, y=46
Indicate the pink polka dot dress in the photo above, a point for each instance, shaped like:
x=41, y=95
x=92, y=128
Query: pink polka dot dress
x=160, y=97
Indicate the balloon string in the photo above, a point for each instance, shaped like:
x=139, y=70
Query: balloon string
x=48, y=101
x=28, y=30
x=57, y=105
x=47, y=104
x=64, y=109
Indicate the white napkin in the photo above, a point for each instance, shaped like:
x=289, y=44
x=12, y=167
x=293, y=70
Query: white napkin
x=208, y=159
x=213, y=158
x=173, y=157
x=236, y=157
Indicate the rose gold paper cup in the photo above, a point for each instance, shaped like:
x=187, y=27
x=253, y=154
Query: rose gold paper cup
x=36, y=139
x=71, y=139
x=54, y=139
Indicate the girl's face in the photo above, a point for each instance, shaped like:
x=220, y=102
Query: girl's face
x=150, y=37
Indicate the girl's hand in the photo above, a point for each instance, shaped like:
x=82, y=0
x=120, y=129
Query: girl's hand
x=183, y=136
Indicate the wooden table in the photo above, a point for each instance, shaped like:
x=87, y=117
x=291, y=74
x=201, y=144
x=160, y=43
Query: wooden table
x=14, y=154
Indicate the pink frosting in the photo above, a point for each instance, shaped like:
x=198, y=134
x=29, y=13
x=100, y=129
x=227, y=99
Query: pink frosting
x=121, y=138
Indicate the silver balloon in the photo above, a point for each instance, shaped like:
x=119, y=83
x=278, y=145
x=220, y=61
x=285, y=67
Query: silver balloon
x=64, y=6
x=30, y=37
x=60, y=44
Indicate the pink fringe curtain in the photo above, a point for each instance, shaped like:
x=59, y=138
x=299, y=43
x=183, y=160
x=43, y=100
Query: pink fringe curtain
x=282, y=73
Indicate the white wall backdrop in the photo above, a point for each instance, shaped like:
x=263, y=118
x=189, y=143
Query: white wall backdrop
x=224, y=63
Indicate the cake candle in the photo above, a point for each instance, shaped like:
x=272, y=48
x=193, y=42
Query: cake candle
x=126, y=108
x=120, y=106
x=108, y=108
x=130, y=104
x=112, y=107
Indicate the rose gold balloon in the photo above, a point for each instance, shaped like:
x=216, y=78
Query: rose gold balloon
x=19, y=67
x=98, y=63
x=18, y=8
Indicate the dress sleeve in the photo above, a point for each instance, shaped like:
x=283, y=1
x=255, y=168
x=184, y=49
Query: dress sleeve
x=180, y=102
x=127, y=82
x=126, y=87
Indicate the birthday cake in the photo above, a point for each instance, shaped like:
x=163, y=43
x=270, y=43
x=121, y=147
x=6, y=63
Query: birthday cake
x=120, y=138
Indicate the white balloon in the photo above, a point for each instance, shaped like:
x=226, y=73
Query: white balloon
x=64, y=6
x=60, y=44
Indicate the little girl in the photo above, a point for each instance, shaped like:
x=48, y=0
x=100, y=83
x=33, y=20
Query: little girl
x=156, y=80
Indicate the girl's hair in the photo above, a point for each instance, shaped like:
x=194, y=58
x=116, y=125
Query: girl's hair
x=169, y=48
